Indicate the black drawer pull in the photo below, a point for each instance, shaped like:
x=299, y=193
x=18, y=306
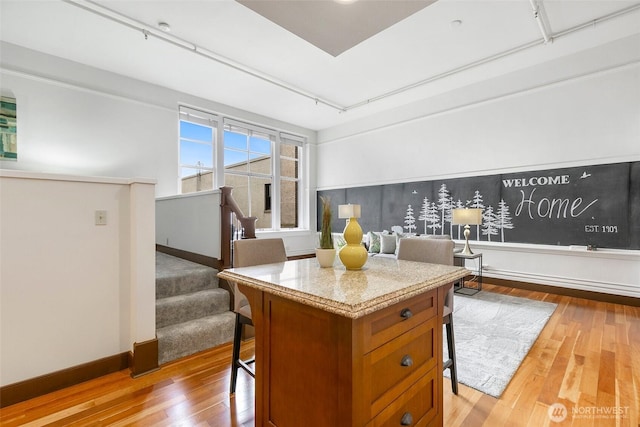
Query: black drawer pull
x=406, y=360
x=407, y=419
x=406, y=313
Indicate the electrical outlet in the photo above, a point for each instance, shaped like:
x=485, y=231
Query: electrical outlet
x=101, y=217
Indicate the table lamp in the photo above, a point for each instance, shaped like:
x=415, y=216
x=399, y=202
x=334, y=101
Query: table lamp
x=353, y=255
x=467, y=217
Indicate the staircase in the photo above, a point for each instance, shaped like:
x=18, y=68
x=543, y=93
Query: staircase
x=192, y=312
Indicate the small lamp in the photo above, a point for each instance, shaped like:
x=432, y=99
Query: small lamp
x=353, y=255
x=467, y=217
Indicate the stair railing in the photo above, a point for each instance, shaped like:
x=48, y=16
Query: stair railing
x=234, y=225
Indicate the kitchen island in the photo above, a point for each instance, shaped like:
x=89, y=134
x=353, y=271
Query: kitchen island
x=336, y=347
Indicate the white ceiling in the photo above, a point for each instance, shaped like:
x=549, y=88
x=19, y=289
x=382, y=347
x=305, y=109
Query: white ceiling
x=247, y=61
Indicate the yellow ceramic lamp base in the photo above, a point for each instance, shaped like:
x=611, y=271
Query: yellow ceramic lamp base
x=353, y=255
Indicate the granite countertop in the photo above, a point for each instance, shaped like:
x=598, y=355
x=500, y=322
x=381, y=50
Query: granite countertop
x=381, y=282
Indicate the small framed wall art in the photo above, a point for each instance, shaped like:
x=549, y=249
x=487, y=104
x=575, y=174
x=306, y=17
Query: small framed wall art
x=8, y=129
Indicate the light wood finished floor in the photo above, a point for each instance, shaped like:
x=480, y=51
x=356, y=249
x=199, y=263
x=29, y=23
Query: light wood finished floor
x=586, y=358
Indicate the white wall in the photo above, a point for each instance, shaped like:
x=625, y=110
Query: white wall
x=585, y=120
x=190, y=222
x=72, y=291
x=74, y=119
x=614, y=272
x=65, y=129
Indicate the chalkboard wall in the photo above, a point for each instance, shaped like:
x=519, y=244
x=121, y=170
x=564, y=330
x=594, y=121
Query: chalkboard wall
x=591, y=205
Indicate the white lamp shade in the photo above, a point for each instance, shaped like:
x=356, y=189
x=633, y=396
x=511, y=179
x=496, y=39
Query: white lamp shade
x=467, y=216
x=349, y=211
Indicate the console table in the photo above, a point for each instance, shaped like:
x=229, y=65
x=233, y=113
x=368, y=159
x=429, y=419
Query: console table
x=347, y=348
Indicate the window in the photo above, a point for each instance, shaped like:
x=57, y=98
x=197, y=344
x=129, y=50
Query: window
x=262, y=166
x=197, y=148
x=248, y=168
x=290, y=150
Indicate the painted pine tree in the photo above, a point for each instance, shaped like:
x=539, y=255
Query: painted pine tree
x=448, y=217
x=409, y=220
x=503, y=218
x=433, y=218
x=478, y=203
x=443, y=205
x=489, y=223
x=424, y=213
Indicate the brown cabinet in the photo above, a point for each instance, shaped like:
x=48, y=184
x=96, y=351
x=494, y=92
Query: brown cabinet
x=317, y=368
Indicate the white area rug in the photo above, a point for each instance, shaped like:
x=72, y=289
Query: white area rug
x=493, y=334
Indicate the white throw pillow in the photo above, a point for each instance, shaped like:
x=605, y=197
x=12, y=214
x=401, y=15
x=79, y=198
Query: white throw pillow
x=387, y=243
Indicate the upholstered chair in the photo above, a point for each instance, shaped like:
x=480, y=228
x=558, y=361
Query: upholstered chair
x=247, y=253
x=436, y=251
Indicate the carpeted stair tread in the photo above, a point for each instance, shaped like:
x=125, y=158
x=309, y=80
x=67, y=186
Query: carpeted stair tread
x=175, y=276
x=192, y=312
x=183, y=339
x=185, y=307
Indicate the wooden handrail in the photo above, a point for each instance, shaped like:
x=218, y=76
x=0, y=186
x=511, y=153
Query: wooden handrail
x=228, y=210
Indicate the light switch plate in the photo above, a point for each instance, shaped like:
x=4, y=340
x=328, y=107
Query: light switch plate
x=101, y=217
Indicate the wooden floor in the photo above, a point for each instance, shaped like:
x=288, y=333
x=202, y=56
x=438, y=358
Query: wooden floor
x=587, y=358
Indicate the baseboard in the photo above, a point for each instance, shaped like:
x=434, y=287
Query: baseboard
x=34, y=387
x=209, y=261
x=558, y=290
x=144, y=358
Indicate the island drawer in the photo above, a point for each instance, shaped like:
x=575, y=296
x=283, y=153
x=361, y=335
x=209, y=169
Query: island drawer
x=416, y=407
x=388, y=323
x=391, y=368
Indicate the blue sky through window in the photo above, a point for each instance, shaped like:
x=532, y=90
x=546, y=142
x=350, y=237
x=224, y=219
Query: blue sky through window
x=196, y=132
x=235, y=140
x=196, y=146
x=193, y=152
x=236, y=147
x=260, y=145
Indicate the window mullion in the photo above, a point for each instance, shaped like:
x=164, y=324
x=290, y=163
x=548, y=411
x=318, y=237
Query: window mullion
x=219, y=153
x=275, y=180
